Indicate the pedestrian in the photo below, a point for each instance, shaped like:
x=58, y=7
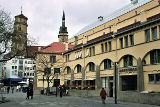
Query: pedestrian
x=103, y=95
x=30, y=91
x=56, y=91
x=8, y=89
x=27, y=93
x=12, y=88
x=61, y=92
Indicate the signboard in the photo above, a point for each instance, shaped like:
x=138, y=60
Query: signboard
x=127, y=69
x=2, y=73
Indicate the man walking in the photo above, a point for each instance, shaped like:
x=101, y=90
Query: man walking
x=103, y=95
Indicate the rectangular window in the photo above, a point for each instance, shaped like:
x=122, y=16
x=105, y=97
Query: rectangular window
x=157, y=77
x=131, y=39
x=154, y=33
x=128, y=61
x=90, y=51
x=102, y=48
x=121, y=42
x=110, y=46
x=12, y=67
x=107, y=64
x=126, y=41
x=21, y=62
x=93, y=50
x=68, y=57
x=155, y=57
x=52, y=59
x=91, y=67
x=20, y=67
x=106, y=49
x=147, y=34
x=78, y=68
x=56, y=70
x=151, y=77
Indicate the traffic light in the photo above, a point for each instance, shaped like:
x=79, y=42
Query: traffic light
x=2, y=73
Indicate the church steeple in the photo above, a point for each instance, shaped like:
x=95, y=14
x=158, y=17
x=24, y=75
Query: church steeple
x=63, y=34
x=63, y=18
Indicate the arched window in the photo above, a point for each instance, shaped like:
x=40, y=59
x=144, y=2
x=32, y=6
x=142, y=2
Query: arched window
x=91, y=67
x=155, y=56
x=68, y=70
x=107, y=64
x=79, y=68
x=128, y=60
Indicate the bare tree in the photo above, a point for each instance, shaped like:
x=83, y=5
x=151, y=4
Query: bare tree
x=45, y=68
x=6, y=34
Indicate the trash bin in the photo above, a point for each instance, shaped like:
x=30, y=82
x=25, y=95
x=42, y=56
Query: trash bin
x=42, y=91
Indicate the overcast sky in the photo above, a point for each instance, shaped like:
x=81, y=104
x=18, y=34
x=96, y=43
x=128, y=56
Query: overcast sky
x=44, y=16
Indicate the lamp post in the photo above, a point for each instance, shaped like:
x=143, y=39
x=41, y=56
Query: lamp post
x=43, y=82
x=115, y=82
x=115, y=72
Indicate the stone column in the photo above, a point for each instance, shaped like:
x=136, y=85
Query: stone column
x=98, y=79
x=72, y=77
x=140, y=76
x=83, y=78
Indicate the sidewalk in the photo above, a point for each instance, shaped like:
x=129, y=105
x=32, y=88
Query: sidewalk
x=110, y=101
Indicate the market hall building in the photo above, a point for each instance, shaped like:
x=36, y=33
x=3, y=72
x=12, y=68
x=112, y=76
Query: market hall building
x=128, y=42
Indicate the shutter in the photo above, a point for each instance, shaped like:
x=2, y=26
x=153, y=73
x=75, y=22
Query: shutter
x=87, y=52
x=80, y=54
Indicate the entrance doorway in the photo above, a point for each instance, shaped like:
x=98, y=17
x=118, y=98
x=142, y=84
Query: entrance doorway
x=56, y=82
x=111, y=89
x=129, y=83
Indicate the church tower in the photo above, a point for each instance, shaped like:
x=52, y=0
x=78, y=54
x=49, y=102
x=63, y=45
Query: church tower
x=63, y=34
x=19, y=40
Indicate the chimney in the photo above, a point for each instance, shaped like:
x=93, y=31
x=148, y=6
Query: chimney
x=39, y=48
x=85, y=39
x=100, y=18
x=134, y=1
x=76, y=40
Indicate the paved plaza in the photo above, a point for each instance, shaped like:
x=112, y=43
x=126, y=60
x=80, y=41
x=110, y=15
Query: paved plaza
x=18, y=99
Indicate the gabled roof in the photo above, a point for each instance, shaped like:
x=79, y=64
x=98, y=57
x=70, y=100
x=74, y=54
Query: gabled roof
x=55, y=47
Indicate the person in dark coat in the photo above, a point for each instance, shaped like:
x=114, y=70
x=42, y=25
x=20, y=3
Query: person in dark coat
x=27, y=93
x=30, y=91
x=8, y=89
x=103, y=95
x=61, y=92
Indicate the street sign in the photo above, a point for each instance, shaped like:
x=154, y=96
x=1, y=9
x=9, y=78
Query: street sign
x=2, y=73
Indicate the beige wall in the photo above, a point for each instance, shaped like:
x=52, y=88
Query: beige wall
x=43, y=60
x=140, y=49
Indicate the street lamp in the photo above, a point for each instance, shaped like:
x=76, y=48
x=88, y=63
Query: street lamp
x=115, y=82
x=115, y=73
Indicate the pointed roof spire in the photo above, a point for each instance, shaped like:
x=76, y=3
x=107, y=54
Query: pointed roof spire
x=21, y=9
x=63, y=18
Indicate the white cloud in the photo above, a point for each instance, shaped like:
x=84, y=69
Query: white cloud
x=44, y=16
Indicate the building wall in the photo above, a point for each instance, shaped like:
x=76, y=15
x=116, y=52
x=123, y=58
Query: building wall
x=43, y=60
x=141, y=49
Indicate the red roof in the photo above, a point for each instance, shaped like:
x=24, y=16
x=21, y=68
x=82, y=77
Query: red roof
x=55, y=47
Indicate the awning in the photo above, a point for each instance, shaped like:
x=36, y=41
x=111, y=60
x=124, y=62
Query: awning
x=13, y=79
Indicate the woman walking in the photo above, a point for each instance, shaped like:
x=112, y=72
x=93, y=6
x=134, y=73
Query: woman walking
x=103, y=95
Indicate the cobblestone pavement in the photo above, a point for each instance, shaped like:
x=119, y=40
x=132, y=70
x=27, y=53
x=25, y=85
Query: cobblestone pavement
x=18, y=99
